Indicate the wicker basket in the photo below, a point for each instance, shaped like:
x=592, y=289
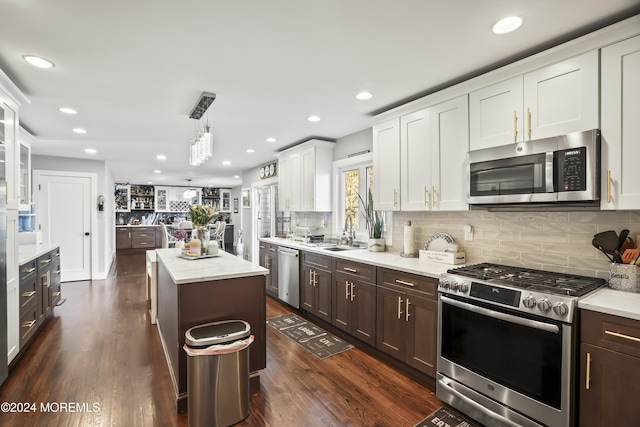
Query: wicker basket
x=624, y=277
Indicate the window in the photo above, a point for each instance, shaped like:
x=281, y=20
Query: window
x=353, y=176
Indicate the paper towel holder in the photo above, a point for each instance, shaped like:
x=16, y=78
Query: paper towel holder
x=404, y=254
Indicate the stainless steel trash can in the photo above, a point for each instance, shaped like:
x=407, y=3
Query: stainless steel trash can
x=218, y=373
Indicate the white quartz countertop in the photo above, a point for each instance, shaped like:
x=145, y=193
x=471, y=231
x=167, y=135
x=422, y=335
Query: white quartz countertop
x=27, y=253
x=137, y=225
x=224, y=266
x=379, y=259
x=611, y=301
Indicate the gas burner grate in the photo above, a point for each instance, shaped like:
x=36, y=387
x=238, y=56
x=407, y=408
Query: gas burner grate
x=530, y=279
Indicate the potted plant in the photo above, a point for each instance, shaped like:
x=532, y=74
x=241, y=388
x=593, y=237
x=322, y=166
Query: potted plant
x=374, y=223
x=200, y=217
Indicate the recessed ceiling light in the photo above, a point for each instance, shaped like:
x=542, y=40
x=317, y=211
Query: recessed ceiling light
x=313, y=118
x=250, y=150
x=67, y=110
x=236, y=176
x=507, y=25
x=90, y=150
x=36, y=61
x=157, y=171
x=363, y=96
x=226, y=163
x=79, y=130
x=271, y=140
x=161, y=157
x=149, y=182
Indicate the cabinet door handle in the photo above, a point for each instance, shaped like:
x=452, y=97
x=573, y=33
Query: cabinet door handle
x=402, y=282
x=609, y=186
x=346, y=290
x=353, y=291
x=433, y=196
x=48, y=279
x=28, y=294
x=315, y=278
x=515, y=126
x=623, y=336
x=350, y=270
x=426, y=196
x=399, y=307
x=529, y=122
x=28, y=324
x=406, y=310
x=29, y=270
x=395, y=198
x=588, y=373
x=310, y=277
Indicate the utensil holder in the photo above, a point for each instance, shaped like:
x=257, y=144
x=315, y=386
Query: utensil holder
x=624, y=277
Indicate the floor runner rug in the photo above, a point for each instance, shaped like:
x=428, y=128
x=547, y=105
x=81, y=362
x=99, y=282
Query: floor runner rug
x=312, y=338
x=446, y=417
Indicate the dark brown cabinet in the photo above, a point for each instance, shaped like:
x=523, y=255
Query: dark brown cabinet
x=354, y=299
x=609, y=370
x=407, y=318
x=138, y=237
x=39, y=292
x=269, y=259
x=315, y=292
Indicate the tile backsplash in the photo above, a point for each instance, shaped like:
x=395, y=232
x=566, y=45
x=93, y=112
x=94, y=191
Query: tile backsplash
x=555, y=241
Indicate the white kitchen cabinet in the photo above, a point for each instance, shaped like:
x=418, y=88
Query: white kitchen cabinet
x=620, y=125
x=225, y=200
x=550, y=101
x=415, y=161
x=386, y=165
x=13, y=286
x=171, y=199
x=304, y=177
x=123, y=198
x=449, y=147
x=433, y=145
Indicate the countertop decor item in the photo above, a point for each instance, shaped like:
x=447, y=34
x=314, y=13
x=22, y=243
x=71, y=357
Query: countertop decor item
x=408, y=243
x=200, y=216
x=374, y=222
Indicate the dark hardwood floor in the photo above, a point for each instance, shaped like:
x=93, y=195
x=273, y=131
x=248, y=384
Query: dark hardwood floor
x=100, y=348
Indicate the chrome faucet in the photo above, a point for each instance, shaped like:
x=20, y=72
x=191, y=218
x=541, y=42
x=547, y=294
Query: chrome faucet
x=348, y=240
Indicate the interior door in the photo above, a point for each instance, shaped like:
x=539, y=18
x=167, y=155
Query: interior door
x=64, y=208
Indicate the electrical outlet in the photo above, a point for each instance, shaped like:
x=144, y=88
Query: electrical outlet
x=468, y=233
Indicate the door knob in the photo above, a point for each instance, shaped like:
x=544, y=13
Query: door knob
x=86, y=234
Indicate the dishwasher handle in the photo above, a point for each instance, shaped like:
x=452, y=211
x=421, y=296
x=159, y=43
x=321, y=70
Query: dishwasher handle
x=288, y=252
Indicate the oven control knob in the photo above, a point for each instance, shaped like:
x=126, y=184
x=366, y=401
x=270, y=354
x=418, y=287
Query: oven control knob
x=463, y=287
x=529, y=302
x=454, y=286
x=544, y=305
x=560, y=309
x=444, y=283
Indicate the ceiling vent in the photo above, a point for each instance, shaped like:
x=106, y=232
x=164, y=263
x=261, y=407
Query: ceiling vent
x=203, y=103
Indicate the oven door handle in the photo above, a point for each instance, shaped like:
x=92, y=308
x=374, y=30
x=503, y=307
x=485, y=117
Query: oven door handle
x=503, y=421
x=502, y=316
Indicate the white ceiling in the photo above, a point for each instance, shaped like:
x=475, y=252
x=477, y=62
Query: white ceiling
x=134, y=69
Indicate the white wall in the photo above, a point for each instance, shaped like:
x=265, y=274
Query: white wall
x=355, y=143
x=106, y=228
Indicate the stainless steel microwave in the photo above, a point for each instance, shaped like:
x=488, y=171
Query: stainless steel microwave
x=562, y=169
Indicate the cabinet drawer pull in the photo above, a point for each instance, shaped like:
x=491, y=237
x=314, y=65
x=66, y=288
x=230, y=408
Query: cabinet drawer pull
x=402, y=282
x=56, y=272
x=46, y=261
x=143, y=243
x=143, y=235
x=273, y=249
x=350, y=270
x=57, y=254
x=626, y=337
x=588, y=374
x=28, y=324
x=56, y=294
x=262, y=247
x=29, y=270
x=28, y=294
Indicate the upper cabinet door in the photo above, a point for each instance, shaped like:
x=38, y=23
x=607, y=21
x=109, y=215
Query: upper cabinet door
x=415, y=166
x=562, y=98
x=308, y=179
x=449, y=147
x=386, y=166
x=495, y=114
x=620, y=125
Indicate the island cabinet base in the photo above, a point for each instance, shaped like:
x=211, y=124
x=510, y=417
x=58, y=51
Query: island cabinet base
x=183, y=306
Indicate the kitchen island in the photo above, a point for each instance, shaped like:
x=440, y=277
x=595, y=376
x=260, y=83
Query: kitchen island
x=194, y=292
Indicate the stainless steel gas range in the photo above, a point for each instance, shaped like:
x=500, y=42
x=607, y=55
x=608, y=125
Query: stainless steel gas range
x=507, y=342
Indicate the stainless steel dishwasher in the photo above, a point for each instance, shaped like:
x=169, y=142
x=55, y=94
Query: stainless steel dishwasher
x=289, y=276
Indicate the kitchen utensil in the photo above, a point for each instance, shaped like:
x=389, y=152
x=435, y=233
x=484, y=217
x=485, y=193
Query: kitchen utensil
x=630, y=255
x=597, y=246
x=635, y=261
x=622, y=238
x=628, y=244
x=608, y=242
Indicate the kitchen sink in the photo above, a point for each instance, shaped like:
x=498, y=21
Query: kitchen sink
x=339, y=248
